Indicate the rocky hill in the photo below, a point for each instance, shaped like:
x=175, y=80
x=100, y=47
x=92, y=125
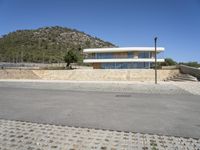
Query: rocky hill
x=47, y=44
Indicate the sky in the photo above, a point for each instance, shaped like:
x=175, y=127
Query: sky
x=176, y=23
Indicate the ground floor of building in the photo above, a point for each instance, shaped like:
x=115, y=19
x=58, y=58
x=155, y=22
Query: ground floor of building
x=122, y=65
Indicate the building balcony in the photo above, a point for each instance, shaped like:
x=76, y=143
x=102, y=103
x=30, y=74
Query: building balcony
x=122, y=60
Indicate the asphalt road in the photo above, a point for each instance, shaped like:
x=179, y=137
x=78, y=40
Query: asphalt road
x=165, y=114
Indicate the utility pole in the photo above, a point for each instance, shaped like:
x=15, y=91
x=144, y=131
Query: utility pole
x=155, y=42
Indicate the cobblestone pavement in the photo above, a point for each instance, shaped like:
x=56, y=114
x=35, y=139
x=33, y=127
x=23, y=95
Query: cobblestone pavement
x=17, y=135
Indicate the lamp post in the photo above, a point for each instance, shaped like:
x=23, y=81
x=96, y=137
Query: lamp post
x=155, y=42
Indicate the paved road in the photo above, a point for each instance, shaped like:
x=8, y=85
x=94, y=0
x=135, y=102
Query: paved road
x=166, y=114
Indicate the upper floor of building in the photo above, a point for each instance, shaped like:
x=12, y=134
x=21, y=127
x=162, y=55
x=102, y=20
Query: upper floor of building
x=122, y=54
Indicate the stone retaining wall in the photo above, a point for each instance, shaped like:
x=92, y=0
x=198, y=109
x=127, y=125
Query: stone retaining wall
x=17, y=74
x=88, y=75
x=190, y=70
x=105, y=75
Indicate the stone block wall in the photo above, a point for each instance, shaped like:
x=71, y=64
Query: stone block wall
x=89, y=74
x=105, y=74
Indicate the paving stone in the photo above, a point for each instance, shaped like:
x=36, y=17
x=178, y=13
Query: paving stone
x=32, y=136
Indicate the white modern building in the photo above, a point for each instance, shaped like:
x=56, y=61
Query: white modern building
x=121, y=57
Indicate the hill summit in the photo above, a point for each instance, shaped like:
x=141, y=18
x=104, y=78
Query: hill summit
x=47, y=44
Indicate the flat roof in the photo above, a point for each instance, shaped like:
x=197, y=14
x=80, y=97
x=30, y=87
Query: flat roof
x=122, y=49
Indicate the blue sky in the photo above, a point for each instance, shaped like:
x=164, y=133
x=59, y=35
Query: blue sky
x=122, y=22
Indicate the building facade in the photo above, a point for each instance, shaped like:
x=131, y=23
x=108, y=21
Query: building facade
x=122, y=58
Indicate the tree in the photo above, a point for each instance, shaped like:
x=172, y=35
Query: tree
x=70, y=57
x=191, y=64
x=88, y=44
x=168, y=62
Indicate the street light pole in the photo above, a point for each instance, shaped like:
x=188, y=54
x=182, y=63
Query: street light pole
x=155, y=42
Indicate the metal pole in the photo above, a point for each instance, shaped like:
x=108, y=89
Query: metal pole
x=155, y=42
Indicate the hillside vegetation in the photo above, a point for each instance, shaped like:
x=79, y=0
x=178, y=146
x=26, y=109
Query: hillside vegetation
x=48, y=44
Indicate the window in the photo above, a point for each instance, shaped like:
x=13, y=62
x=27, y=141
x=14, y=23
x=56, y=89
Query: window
x=130, y=54
x=104, y=56
x=144, y=55
x=125, y=65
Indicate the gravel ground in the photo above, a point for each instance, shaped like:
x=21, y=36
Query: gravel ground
x=112, y=86
x=16, y=135
x=192, y=87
